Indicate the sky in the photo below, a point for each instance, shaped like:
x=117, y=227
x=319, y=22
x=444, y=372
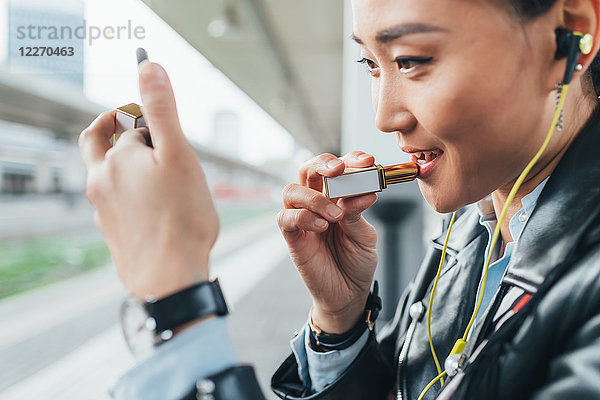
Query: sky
x=200, y=89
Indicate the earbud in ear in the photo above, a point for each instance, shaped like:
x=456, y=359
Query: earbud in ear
x=569, y=44
x=585, y=43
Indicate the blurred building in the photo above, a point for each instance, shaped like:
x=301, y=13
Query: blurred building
x=34, y=162
x=38, y=23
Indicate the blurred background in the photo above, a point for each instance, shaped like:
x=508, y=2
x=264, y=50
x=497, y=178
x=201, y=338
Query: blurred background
x=261, y=86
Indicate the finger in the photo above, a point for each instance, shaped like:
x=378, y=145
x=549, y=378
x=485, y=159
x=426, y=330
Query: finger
x=313, y=170
x=160, y=110
x=94, y=141
x=134, y=137
x=353, y=207
x=358, y=159
x=290, y=221
x=300, y=197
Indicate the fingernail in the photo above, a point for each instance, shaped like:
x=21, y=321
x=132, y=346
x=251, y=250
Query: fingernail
x=364, y=156
x=320, y=223
x=141, y=55
x=334, y=163
x=333, y=211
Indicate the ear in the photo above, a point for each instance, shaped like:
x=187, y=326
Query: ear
x=582, y=16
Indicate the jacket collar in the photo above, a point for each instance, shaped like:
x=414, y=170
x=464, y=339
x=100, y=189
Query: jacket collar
x=466, y=229
x=566, y=208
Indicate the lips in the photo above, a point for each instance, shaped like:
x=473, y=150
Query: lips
x=426, y=158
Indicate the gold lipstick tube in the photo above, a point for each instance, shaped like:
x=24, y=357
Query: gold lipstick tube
x=363, y=181
x=128, y=117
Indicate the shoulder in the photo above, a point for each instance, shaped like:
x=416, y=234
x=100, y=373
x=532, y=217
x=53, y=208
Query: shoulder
x=573, y=301
x=584, y=268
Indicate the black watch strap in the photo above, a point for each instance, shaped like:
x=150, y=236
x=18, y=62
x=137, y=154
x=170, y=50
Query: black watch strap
x=197, y=301
x=322, y=342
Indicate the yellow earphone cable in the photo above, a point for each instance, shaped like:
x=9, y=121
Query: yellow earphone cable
x=430, y=384
x=510, y=198
x=435, y=282
x=460, y=343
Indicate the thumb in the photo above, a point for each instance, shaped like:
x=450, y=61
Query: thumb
x=160, y=110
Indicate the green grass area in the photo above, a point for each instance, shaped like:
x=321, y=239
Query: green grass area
x=30, y=264
x=237, y=215
x=26, y=265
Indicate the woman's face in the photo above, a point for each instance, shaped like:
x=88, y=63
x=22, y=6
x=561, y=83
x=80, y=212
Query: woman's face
x=462, y=79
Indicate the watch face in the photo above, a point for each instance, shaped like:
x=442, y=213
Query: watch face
x=138, y=328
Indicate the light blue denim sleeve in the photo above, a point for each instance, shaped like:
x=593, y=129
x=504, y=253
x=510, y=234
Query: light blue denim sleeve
x=317, y=370
x=173, y=369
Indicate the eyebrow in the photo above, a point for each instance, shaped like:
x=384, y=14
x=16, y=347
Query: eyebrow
x=396, y=32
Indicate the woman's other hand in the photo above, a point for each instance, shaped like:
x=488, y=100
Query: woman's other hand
x=330, y=242
x=152, y=204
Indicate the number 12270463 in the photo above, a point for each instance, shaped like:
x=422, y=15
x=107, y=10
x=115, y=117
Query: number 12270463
x=47, y=51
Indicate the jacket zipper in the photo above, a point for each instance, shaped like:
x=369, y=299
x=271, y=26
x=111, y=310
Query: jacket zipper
x=402, y=358
x=400, y=392
x=488, y=323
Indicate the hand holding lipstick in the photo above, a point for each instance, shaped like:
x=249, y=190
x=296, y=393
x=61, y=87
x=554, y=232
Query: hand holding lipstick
x=330, y=242
x=152, y=204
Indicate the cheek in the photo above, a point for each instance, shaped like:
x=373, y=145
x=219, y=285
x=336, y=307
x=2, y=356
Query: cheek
x=479, y=84
x=481, y=121
x=481, y=105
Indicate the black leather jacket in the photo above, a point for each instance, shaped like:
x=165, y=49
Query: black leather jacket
x=546, y=345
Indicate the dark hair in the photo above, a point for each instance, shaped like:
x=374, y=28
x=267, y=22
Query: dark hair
x=529, y=9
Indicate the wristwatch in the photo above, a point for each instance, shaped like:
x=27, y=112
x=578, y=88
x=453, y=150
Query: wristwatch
x=147, y=325
x=323, y=342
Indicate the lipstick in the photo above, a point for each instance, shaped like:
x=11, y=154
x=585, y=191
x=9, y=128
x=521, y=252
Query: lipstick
x=358, y=182
x=128, y=117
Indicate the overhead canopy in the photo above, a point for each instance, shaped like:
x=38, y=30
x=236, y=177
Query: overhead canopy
x=45, y=104
x=285, y=54
x=66, y=112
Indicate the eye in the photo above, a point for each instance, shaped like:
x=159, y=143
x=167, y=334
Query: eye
x=372, y=68
x=407, y=64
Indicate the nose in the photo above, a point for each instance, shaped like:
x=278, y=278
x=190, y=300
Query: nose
x=392, y=114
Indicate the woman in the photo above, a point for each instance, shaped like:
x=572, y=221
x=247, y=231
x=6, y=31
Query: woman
x=472, y=84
